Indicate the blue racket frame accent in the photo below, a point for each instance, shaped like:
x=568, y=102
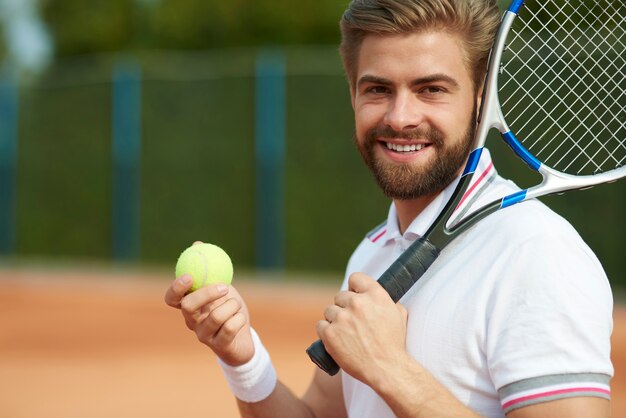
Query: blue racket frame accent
x=521, y=152
x=513, y=198
x=515, y=6
x=472, y=161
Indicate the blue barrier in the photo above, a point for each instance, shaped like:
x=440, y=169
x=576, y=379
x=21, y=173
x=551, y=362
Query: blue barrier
x=126, y=148
x=270, y=159
x=9, y=98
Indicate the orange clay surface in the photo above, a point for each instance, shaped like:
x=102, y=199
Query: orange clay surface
x=92, y=344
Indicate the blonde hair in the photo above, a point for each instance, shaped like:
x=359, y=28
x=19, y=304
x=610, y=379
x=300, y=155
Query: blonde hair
x=474, y=21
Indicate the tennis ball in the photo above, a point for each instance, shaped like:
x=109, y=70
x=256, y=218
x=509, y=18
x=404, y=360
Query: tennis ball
x=207, y=264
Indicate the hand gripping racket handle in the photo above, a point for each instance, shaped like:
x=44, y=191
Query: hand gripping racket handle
x=397, y=280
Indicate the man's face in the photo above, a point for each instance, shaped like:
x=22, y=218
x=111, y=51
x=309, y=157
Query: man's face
x=415, y=110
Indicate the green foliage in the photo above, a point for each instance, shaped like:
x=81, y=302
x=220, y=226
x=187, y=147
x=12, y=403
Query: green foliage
x=109, y=25
x=202, y=23
x=80, y=27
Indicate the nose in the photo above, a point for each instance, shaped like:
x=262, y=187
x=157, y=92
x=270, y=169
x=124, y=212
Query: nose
x=404, y=112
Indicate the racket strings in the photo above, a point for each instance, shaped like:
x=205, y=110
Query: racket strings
x=566, y=129
x=563, y=84
x=565, y=99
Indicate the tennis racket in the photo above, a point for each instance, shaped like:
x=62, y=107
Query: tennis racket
x=555, y=92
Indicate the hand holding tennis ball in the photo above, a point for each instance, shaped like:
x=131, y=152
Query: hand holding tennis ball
x=207, y=264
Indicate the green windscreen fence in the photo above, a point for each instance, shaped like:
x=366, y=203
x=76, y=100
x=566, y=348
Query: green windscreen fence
x=197, y=169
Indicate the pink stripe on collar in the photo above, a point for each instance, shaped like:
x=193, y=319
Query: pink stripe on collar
x=377, y=237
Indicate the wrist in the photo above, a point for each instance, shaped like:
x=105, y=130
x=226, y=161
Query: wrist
x=389, y=380
x=254, y=380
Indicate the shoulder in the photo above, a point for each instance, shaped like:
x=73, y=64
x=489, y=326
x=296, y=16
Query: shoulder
x=530, y=219
x=539, y=244
x=538, y=264
x=528, y=223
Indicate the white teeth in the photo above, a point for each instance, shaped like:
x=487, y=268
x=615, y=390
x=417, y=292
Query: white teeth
x=405, y=148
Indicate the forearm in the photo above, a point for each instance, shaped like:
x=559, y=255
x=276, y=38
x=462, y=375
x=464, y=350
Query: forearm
x=412, y=392
x=281, y=403
x=259, y=394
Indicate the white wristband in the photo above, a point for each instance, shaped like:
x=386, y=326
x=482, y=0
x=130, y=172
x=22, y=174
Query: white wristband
x=255, y=380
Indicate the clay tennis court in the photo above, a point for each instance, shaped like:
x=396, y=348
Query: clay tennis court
x=82, y=343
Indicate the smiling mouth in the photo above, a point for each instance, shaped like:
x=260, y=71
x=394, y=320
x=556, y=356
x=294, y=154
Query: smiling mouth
x=402, y=148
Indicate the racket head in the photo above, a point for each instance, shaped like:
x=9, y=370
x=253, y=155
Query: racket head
x=558, y=86
x=555, y=91
x=562, y=84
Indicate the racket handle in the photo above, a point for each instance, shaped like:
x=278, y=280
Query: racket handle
x=318, y=355
x=397, y=280
x=408, y=268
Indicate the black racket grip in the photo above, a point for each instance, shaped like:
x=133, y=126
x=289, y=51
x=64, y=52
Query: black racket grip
x=318, y=355
x=396, y=280
x=408, y=268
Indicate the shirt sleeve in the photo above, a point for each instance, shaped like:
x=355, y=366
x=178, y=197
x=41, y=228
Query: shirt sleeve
x=550, y=323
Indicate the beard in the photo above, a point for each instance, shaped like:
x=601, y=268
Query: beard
x=411, y=181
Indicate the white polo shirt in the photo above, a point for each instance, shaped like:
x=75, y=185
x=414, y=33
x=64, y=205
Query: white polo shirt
x=515, y=311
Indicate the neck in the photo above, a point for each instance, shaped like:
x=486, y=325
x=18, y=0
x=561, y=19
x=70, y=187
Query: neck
x=408, y=210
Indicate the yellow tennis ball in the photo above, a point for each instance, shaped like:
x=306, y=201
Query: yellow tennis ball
x=207, y=264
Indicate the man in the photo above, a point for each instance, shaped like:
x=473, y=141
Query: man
x=513, y=318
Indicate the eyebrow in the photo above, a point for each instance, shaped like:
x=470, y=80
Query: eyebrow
x=431, y=78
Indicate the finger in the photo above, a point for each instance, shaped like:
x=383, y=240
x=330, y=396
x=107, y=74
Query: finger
x=361, y=283
x=176, y=292
x=198, y=242
x=194, y=316
x=211, y=322
x=331, y=312
x=196, y=301
x=321, y=327
x=229, y=330
x=343, y=298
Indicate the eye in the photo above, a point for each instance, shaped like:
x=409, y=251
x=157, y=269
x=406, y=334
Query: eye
x=432, y=90
x=377, y=90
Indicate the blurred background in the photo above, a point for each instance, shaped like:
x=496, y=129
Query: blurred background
x=131, y=128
